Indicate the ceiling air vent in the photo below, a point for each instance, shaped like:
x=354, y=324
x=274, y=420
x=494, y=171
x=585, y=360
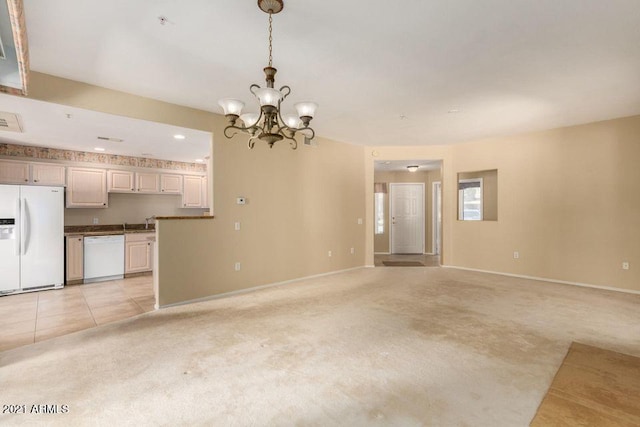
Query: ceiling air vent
x=106, y=138
x=10, y=122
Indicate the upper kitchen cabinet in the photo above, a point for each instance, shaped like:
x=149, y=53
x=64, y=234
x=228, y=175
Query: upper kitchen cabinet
x=147, y=182
x=192, y=196
x=48, y=174
x=41, y=173
x=120, y=181
x=86, y=188
x=14, y=172
x=170, y=183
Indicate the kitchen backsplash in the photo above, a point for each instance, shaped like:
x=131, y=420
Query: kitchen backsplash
x=27, y=151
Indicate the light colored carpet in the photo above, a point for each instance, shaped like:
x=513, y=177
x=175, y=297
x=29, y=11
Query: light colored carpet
x=383, y=346
x=593, y=387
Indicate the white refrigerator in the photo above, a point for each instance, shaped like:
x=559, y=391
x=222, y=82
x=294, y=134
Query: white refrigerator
x=31, y=238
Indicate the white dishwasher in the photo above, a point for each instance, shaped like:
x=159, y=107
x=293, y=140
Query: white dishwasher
x=103, y=258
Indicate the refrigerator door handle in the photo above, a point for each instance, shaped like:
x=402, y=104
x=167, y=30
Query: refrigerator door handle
x=27, y=226
x=17, y=226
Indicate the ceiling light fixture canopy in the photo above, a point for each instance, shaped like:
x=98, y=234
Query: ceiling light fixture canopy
x=413, y=168
x=269, y=125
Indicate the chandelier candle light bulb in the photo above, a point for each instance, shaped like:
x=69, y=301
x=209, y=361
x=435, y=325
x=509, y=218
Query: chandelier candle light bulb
x=269, y=125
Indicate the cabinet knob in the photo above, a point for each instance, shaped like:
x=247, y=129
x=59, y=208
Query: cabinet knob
x=104, y=204
x=35, y=180
x=26, y=180
x=80, y=239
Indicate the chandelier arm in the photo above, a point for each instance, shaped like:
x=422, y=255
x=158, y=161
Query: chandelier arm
x=237, y=128
x=286, y=94
x=292, y=139
x=313, y=133
x=252, y=87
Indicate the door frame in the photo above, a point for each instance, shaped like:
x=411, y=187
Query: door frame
x=422, y=210
x=436, y=229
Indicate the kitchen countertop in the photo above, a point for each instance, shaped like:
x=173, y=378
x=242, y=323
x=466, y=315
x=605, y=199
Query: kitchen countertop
x=104, y=230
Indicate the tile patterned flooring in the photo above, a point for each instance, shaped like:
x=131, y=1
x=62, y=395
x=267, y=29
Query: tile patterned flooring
x=36, y=316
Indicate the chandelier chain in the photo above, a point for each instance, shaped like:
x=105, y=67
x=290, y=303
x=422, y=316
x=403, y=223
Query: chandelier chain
x=270, y=40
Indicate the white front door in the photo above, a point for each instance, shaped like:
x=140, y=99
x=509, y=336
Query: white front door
x=407, y=218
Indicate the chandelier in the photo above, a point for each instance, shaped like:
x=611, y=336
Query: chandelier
x=269, y=125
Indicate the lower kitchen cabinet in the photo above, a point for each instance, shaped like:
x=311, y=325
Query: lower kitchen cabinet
x=138, y=253
x=75, y=258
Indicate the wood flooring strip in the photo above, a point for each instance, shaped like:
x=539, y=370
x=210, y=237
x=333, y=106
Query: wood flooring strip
x=593, y=387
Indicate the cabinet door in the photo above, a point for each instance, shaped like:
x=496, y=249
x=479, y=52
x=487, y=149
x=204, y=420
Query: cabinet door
x=170, y=184
x=74, y=263
x=137, y=257
x=47, y=174
x=192, y=194
x=14, y=172
x=147, y=182
x=120, y=181
x=205, y=192
x=86, y=188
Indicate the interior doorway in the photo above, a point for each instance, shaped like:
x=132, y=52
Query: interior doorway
x=406, y=206
x=394, y=246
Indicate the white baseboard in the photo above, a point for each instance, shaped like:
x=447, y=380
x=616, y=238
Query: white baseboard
x=544, y=279
x=255, y=288
x=382, y=253
x=429, y=253
x=369, y=266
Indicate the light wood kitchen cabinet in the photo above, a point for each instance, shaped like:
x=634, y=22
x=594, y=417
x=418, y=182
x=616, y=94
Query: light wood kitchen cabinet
x=14, y=172
x=192, y=192
x=86, y=188
x=120, y=181
x=205, y=192
x=138, y=252
x=48, y=174
x=170, y=183
x=75, y=258
x=147, y=182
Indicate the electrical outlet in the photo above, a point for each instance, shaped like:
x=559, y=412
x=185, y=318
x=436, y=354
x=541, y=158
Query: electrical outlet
x=516, y=255
x=329, y=254
x=237, y=226
x=359, y=221
x=96, y=221
x=241, y=201
x=237, y=266
x=625, y=265
x=353, y=251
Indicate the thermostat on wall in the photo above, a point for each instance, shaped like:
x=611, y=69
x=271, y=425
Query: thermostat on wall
x=241, y=201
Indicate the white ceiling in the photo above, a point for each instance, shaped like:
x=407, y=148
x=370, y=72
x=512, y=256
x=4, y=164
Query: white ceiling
x=51, y=125
x=506, y=66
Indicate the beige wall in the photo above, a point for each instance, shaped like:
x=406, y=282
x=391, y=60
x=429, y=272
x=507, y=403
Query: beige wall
x=381, y=241
x=301, y=204
x=131, y=208
x=489, y=192
x=566, y=201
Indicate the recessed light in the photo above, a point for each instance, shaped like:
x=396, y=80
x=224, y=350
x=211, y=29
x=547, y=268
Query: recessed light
x=200, y=160
x=178, y=136
x=412, y=168
x=99, y=149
